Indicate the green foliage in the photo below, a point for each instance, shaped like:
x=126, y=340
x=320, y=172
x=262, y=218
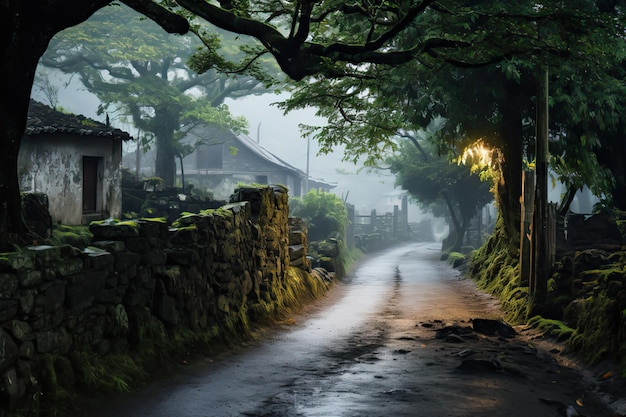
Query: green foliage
x=496, y=270
x=140, y=75
x=325, y=214
x=110, y=373
x=439, y=185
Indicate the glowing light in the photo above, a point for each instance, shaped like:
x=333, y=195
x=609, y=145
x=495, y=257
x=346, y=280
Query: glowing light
x=478, y=154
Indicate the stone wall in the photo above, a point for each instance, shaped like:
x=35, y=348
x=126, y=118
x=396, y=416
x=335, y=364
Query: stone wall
x=74, y=320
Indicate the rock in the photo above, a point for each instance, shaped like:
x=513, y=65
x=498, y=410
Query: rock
x=21, y=330
x=12, y=387
x=51, y=341
x=9, y=352
x=453, y=330
x=479, y=365
x=454, y=338
x=8, y=310
x=493, y=328
x=8, y=285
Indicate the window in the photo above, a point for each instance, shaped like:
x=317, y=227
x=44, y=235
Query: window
x=210, y=156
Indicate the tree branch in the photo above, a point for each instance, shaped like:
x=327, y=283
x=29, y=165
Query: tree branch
x=171, y=22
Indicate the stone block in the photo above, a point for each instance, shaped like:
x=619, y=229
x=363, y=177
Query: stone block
x=126, y=262
x=15, y=262
x=44, y=253
x=82, y=289
x=181, y=256
x=8, y=310
x=165, y=308
x=109, y=296
x=27, y=301
x=297, y=251
x=27, y=350
x=153, y=229
x=184, y=236
x=29, y=278
x=21, y=330
x=12, y=388
x=8, y=285
x=54, y=297
x=113, y=231
x=97, y=260
x=9, y=351
x=154, y=257
x=53, y=341
x=137, y=297
x=111, y=246
x=137, y=244
x=69, y=267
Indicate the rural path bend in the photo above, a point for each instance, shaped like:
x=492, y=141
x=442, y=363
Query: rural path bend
x=376, y=346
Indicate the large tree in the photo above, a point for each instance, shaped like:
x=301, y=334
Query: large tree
x=149, y=82
x=480, y=99
x=436, y=181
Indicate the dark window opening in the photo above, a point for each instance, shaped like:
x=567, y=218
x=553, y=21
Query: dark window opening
x=91, y=184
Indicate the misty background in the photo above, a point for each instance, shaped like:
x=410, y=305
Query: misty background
x=276, y=132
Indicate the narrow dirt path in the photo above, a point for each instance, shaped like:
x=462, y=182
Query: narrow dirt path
x=395, y=340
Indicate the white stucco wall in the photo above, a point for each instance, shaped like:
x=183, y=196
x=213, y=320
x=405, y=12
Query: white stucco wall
x=53, y=165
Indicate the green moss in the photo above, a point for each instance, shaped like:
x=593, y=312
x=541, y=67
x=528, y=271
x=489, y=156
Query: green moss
x=154, y=219
x=78, y=236
x=598, y=328
x=554, y=328
x=456, y=259
x=496, y=270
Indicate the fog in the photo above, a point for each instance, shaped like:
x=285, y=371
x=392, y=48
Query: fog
x=276, y=132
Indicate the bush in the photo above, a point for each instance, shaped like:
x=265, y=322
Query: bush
x=325, y=214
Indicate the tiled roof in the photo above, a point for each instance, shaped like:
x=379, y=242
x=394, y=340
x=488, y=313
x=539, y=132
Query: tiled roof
x=44, y=119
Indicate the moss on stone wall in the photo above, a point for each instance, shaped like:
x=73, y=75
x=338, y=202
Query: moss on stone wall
x=143, y=297
x=496, y=270
x=586, y=297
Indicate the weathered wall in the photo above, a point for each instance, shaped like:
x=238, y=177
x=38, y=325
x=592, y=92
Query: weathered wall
x=73, y=320
x=53, y=165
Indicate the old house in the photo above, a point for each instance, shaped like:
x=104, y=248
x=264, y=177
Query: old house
x=76, y=161
x=225, y=159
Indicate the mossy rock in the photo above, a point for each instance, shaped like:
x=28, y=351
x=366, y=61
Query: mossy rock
x=456, y=259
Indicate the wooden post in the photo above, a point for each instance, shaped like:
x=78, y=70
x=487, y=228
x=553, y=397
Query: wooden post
x=350, y=226
x=479, y=227
x=373, y=221
x=405, y=216
x=396, y=217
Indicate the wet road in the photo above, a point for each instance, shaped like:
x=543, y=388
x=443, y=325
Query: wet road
x=365, y=354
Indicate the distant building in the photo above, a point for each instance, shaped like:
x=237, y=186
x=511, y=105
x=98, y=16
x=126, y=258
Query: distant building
x=76, y=161
x=226, y=159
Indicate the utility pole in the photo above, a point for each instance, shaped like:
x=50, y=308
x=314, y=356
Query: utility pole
x=308, y=150
x=539, y=282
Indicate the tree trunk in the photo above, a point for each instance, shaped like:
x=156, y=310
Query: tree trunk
x=166, y=121
x=509, y=189
x=20, y=50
